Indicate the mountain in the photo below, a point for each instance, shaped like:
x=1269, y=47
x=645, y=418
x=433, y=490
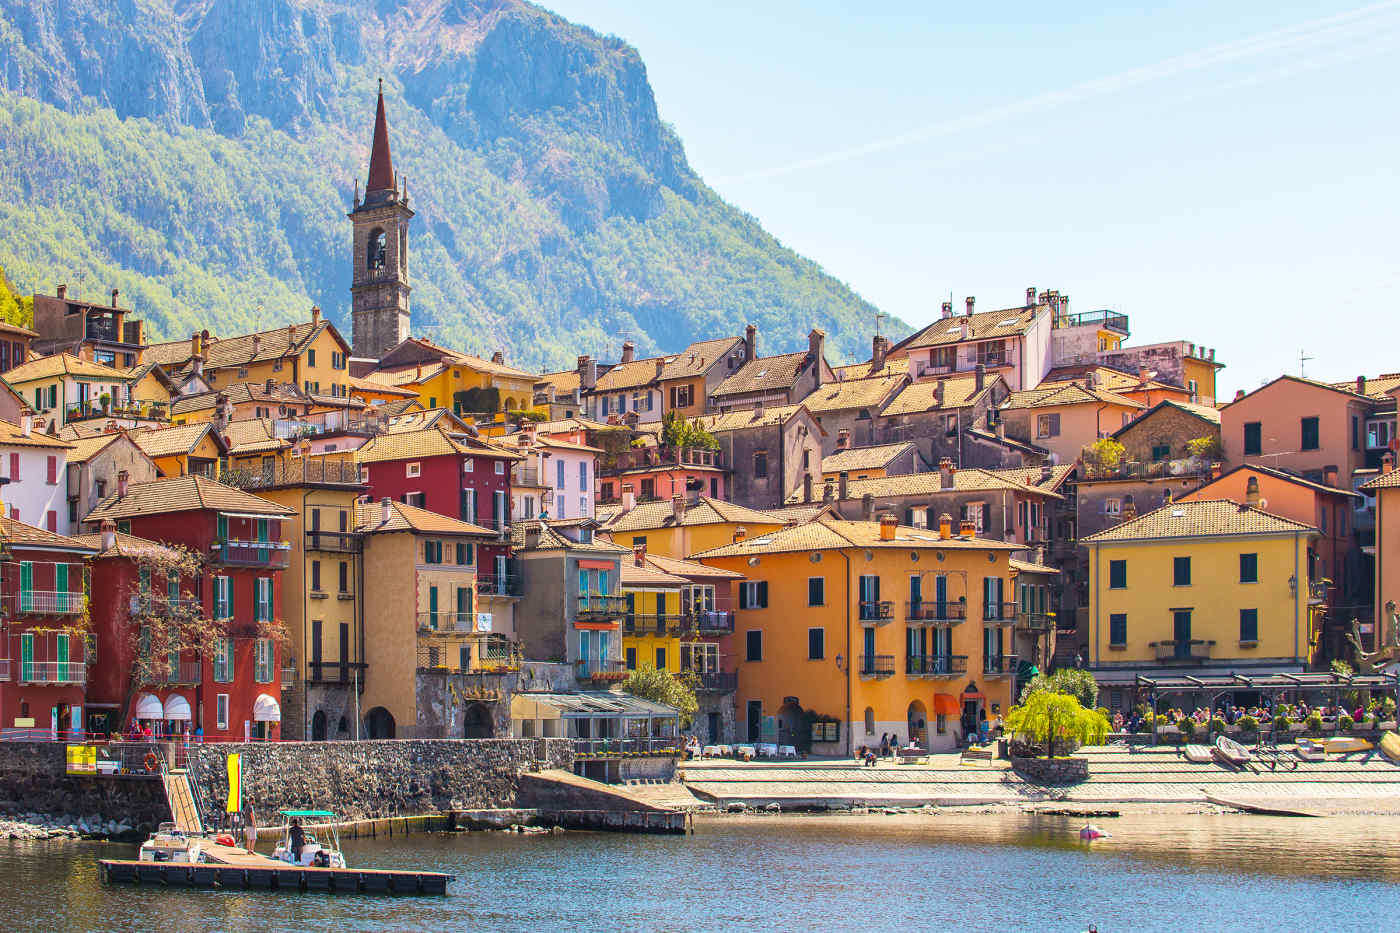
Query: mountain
x=200, y=155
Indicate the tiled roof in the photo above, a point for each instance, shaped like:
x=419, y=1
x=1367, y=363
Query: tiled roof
x=802, y=512
x=569, y=425
x=856, y=393
x=983, y=325
x=866, y=370
x=549, y=539
x=1069, y=393
x=241, y=393
x=692, y=361
x=221, y=353
x=11, y=435
x=430, y=442
x=1035, y=477
x=748, y=418
x=85, y=448
x=698, y=357
x=632, y=575
x=173, y=441
x=1027, y=567
x=128, y=546
x=558, y=444
x=253, y=435
x=22, y=535
x=466, y=360
x=411, y=375
x=365, y=384
x=336, y=401
x=369, y=518
x=1389, y=480
x=62, y=364
x=826, y=534
x=764, y=374
x=958, y=392
x=8, y=328
x=1197, y=519
x=1105, y=377
x=183, y=494
x=1282, y=475
x=922, y=484
x=1345, y=388
x=401, y=407
x=564, y=382
x=706, y=511
x=421, y=420
x=865, y=458
x=1377, y=388
x=689, y=568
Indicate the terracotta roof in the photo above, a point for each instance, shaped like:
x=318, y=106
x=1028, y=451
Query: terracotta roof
x=74, y=430
x=183, y=494
x=173, y=441
x=865, y=458
x=632, y=575
x=129, y=546
x=1203, y=412
x=8, y=328
x=1105, y=377
x=1028, y=567
x=62, y=364
x=564, y=382
x=855, y=393
x=569, y=425
x=450, y=357
x=1034, y=477
x=551, y=540
x=369, y=385
x=401, y=407
x=866, y=371
x=241, y=393
x=11, y=435
x=690, y=569
x=1345, y=388
x=1069, y=393
x=922, y=484
x=222, y=353
x=429, y=442
x=1197, y=519
x=1377, y=388
x=422, y=420
x=826, y=534
x=748, y=418
x=85, y=448
x=958, y=392
x=369, y=518
x=135, y=374
x=253, y=435
x=706, y=511
x=22, y=535
x=558, y=444
x=802, y=512
x=1281, y=475
x=412, y=375
x=983, y=325
x=764, y=374
x=1389, y=480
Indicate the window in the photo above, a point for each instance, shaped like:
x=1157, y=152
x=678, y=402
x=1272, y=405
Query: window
x=661, y=659
x=51, y=471
x=344, y=577
x=1161, y=452
x=816, y=591
x=583, y=476
x=467, y=465
x=1253, y=438
x=816, y=644
x=1249, y=625
x=682, y=396
x=262, y=661
x=223, y=660
x=631, y=655
x=1113, y=506
x=1249, y=568
x=760, y=464
x=466, y=505
x=315, y=576
x=753, y=594
x=1194, y=387
x=262, y=607
x=1181, y=571
x=1118, y=629
x=432, y=552
x=223, y=597
x=1047, y=425
x=972, y=512
x=310, y=357
x=1355, y=433
x=559, y=474
x=1310, y=433
x=221, y=711
x=583, y=506
x=464, y=553
x=413, y=469
x=1378, y=434
x=1118, y=575
x=869, y=720
x=753, y=645
x=950, y=425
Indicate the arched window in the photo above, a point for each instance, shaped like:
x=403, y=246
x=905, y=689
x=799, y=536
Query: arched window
x=403, y=250
x=870, y=720
x=374, y=254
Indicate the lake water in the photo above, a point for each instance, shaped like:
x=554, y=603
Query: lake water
x=964, y=872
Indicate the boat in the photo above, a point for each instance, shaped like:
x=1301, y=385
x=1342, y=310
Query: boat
x=1090, y=831
x=1342, y=744
x=1390, y=747
x=321, y=839
x=1231, y=752
x=1199, y=754
x=1308, y=750
x=169, y=844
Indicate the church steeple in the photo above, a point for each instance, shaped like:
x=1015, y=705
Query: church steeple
x=379, y=286
x=381, y=164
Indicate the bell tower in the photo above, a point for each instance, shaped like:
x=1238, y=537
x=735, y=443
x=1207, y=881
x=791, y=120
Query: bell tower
x=379, y=287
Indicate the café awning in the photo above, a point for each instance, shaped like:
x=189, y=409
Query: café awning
x=266, y=709
x=177, y=708
x=945, y=705
x=148, y=707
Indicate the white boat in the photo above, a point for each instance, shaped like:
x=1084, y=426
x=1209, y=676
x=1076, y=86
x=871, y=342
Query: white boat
x=320, y=839
x=1308, y=750
x=1199, y=754
x=168, y=844
x=1232, y=752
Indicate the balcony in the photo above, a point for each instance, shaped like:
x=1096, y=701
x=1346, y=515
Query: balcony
x=1035, y=621
x=481, y=653
x=447, y=623
x=600, y=607
x=303, y=471
x=661, y=458
x=1002, y=666
x=52, y=672
x=269, y=555
x=46, y=602
x=340, y=542
x=668, y=623
x=618, y=748
x=1003, y=613
x=1185, y=467
x=332, y=672
x=1317, y=592
x=717, y=681
x=935, y=665
x=157, y=604
x=944, y=613
x=876, y=666
x=713, y=621
x=601, y=670
x=187, y=672
x=505, y=586
x=1104, y=320
x=1194, y=650
x=877, y=612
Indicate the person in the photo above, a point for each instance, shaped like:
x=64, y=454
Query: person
x=198, y=735
x=297, y=836
x=870, y=758
x=983, y=727
x=884, y=745
x=250, y=830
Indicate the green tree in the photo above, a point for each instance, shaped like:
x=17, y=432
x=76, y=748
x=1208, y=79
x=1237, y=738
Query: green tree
x=1072, y=681
x=1207, y=447
x=14, y=307
x=677, y=432
x=1055, y=719
x=662, y=686
x=1105, y=453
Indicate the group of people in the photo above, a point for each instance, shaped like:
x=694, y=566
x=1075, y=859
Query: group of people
x=1231, y=714
x=141, y=731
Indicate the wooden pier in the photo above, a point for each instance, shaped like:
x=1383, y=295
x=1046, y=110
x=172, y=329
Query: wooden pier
x=231, y=867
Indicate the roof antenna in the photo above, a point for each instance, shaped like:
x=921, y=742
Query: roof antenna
x=879, y=316
x=1303, y=364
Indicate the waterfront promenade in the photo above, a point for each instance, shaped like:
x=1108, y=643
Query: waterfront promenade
x=1363, y=782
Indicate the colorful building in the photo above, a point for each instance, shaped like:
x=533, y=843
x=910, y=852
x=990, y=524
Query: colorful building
x=763, y=382
x=34, y=466
x=183, y=450
x=1298, y=425
x=64, y=388
x=876, y=462
x=95, y=462
x=680, y=527
x=647, y=389
x=1065, y=419
x=105, y=334
x=1013, y=343
x=442, y=377
x=1386, y=489
x=872, y=628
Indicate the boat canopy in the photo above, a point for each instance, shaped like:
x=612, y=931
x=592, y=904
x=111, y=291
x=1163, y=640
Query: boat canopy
x=266, y=709
x=303, y=813
x=148, y=707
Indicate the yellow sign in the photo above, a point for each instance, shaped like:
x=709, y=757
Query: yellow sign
x=235, y=780
x=82, y=759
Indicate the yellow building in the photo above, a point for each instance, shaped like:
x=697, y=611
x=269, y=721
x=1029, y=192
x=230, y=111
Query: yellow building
x=423, y=636
x=1386, y=488
x=875, y=462
x=63, y=388
x=446, y=378
x=872, y=627
x=1210, y=587
x=652, y=626
x=183, y=450
x=679, y=528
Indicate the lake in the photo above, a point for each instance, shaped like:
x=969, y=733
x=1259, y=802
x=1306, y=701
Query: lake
x=964, y=872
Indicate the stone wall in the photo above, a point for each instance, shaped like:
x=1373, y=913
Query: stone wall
x=33, y=780
x=1052, y=770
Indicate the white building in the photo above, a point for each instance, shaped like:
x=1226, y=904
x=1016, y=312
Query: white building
x=35, y=467
x=556, y=478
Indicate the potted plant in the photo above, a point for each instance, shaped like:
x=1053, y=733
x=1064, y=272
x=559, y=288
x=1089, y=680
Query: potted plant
x=1282, y=723
x=1187, y=726
x=1248, y=725
x=1313, y=723
x=1345, y=723
x=1217, y=725
x=106, y=400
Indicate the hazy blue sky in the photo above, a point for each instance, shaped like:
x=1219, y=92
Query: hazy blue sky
x=1223, y=173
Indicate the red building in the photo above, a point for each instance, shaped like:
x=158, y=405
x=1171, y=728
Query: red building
x=239, y=535
x=456, y=475
x=43, y=655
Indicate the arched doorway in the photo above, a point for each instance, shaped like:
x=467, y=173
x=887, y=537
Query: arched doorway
x=479, y=722
x=379, y=724
x=318, y=727
x=789, y=723
x=918, y=724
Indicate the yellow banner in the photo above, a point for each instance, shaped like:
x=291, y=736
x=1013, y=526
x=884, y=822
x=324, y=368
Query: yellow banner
x=235, y=781
x=82, y=759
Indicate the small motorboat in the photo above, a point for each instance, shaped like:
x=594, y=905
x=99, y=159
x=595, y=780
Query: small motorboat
x=1342, y=744
x=1390, y=747
x=320, y=839
x=1308, y=750
x=1231, y=752
x=1090, y=831
x=1199, y=754
x=168, y=844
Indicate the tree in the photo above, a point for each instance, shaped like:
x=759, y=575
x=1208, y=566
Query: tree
x=1074, y=682
x=648, y=683
x=1206, y=448
x=676, y=433
x=1056, y=718
x=14, y=307
x=1105, y=453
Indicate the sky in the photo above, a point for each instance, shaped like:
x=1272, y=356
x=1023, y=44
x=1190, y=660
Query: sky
x=1221, y=173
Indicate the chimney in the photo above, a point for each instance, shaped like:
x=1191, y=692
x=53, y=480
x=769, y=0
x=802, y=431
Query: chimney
x=1001, y=429
x=109, y=534
x=888, y=523
x=62, y=292
x=257, y=344
x=1360, y=385
x=499, y=358
x=967, y=528
x=1239, y=394
x=816, y=341
x=843, y=439
x=1142, y=375
x=947, y=311
x=970, y=301
x=1215, y=469
x=587, y=373
x=879, y=346
x=271, y=384
x=386, y=510
x=660, y=365
x=945, y=526
x=938, y=393
x=843, y=485
x=1030, y=297
x=1064, y=305
x=678, y=508
x=315, y=315
x=1329, y=475
x=639, y=554
x=867, y=506
x=629, y=500
x=1387, y=463
x=750, y=344
x=418, y=373
x=806, y=487
x=26, y=424
x=1129, y=508
x=629, y=351
x=740, y=533
x=123, y=478
x=1251, y=493
x=1091, y=380
x=979, y=380
x=114, y=297
x=964, y=329
x=828, y=492
x=196, y=347
x=946, y=472
x=291, y=334
x=1047, y=470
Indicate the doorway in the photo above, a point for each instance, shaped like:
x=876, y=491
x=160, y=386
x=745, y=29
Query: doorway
x=1181, y=632
x=755, y=720
x=479, y=723
x=918, y=724
x=318, y=727
x=379, y=723
x=712, y=728
x=789, y=723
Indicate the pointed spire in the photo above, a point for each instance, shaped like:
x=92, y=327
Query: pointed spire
x=381, y=165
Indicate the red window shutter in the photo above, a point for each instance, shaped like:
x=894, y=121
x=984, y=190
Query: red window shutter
x=51, y=520
x=14, y=468
x=53, y=470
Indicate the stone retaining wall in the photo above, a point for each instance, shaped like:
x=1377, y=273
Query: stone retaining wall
x=1052, y=770
x=33, y=779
